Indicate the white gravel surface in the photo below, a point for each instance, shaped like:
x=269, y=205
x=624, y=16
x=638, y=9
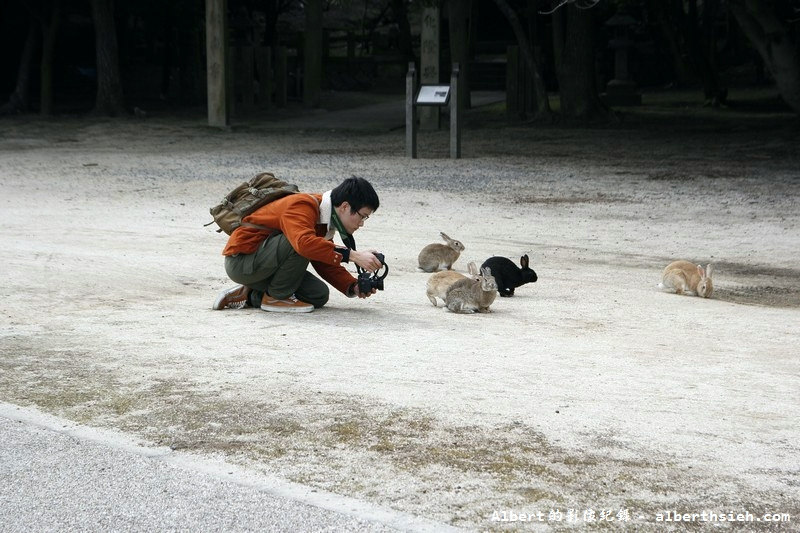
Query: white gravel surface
x=589, y=390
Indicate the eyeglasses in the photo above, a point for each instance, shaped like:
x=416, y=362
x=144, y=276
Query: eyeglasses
x=363, y=217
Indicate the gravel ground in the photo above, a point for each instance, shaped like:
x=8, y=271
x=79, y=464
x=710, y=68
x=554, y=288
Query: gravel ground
x=588, y=391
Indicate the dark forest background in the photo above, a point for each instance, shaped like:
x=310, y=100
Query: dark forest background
x=115, y=57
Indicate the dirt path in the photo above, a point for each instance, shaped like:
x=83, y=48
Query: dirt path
x=589, y=390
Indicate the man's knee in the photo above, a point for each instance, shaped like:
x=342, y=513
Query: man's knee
x=317, y=298
x=322, y=299
x=313, y=291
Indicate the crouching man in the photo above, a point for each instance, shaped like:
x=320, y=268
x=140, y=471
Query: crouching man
x=270, y=264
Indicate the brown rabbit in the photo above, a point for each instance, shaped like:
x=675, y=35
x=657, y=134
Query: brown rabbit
x=440, y=256
x=473, y=294
x=684, y=277
x=440, y=282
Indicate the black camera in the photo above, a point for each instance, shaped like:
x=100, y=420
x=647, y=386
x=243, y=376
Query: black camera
x=372, y=280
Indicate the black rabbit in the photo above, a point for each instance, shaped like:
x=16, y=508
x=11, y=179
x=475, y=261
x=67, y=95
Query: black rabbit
x=508, y=275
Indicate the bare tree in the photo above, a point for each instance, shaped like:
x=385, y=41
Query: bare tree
x=669, y=15
x=47, y=13
x=400, y=13
x=700, y=36
x=19, y=100
x=459, y=46
x=580, y=4
x=312, y=54
x=768, y=26
x=542, y=102
x=574, y=48
x=109, y=99
x=272, y=10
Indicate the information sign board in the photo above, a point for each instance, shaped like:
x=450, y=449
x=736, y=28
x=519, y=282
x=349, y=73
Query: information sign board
x=433, y=95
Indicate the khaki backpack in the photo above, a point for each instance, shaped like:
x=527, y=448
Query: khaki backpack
x=246, y=198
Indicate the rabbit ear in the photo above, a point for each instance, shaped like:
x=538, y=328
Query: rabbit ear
x=708, y=270
x=701, y=271
x=472, y=268
x=524, y=261
x=486, y=272
x=444, y=236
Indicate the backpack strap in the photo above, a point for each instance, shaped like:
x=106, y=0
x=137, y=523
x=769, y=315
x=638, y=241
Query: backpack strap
x=257, y=226
x=249, y=225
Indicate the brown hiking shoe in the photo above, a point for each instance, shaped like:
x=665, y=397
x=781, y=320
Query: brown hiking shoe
x=287, y=305
x=235, y=298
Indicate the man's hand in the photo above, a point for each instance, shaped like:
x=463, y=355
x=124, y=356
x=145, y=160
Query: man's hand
x=365, y=260
x=354, y=291
x=364, y=294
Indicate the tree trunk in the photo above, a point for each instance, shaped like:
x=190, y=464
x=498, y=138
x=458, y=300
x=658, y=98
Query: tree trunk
x=575, y=68
x=49, y=21
x=168, y=21
x=776, y=44
x=19, y=101
x=400, y=11
x=109, y=87
x=542, y=102
x=459, y=46
x=312, y=54
x=669, y=16
x=218, y=66
x=270, y=9
x=190, y=48
x=700, y=38
x=714, y=91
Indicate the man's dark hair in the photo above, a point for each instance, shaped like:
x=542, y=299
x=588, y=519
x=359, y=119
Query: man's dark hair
x=357, y=192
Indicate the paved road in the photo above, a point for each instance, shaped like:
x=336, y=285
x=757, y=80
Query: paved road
x=59, y=476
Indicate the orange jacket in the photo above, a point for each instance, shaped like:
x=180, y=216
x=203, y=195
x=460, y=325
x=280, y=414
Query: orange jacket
x=297, y=217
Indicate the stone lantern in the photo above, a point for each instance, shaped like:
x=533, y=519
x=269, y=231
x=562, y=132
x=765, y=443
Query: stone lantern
x=621, y=90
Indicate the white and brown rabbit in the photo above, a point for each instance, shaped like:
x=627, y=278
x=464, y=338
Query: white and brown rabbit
x=474, y=294
x=684, y=277
x=439, y=282
x=438, y=256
